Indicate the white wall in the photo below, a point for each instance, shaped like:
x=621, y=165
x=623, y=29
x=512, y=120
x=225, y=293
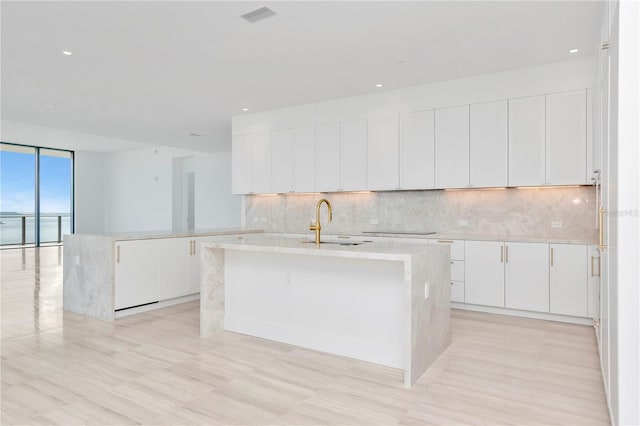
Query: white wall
x=89, y=192
x=139, y=190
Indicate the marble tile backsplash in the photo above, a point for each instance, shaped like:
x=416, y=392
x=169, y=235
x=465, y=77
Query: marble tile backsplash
x=526, y=212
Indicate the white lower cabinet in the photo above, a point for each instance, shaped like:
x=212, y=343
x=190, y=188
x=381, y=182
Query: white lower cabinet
x=593, y=307
x=569, y=284
x=175, y=258
x=457, y=268
x=526, y=272
x=136, y=273
x=484, y=273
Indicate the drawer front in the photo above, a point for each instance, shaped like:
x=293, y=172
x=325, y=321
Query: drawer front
x=457, y=291
x=457, y=270
x=457, y=248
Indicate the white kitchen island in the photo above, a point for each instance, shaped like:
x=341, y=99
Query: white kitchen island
x=386, y=303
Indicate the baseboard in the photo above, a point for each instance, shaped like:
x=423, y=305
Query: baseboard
x=160, y=304
x=523, y=314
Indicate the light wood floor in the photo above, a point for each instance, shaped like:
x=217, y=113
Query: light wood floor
x=152, y=368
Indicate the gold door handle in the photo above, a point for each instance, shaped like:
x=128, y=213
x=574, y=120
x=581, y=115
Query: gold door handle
x=601, y=243
x=593, y=274
x=117, y=254
x=506, y=254
x=551, y=255
x=190, y=248
x=501, y=254
x=445, y=241
x=194, y=247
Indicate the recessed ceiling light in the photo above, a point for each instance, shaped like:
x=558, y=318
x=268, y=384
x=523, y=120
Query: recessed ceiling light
x=197, y=135
x=67, y=52
x=379, y=85
x=245, y=109
x=258, y=14
x=51, y=106
x=573, y=51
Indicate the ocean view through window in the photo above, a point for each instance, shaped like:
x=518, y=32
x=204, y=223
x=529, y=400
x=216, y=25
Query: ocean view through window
x=36, y=195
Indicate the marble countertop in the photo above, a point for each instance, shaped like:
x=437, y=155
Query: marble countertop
x=273, y=243
x=150, y=235
x=484, y=237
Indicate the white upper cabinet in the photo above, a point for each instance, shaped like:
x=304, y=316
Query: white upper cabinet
x=452, y=147
x=304, y=159
x=416, y=150
x=569, y=283
x=488, y=144
x=262, y=163
x=327, y=151
x=566, y=138
x=282, y=160
x=527, y=141
x=353, y=155
x=382, y=154
x=526, y=276
x=242, y=164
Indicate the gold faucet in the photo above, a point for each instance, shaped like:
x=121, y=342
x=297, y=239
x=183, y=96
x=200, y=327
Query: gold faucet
x=317, y=226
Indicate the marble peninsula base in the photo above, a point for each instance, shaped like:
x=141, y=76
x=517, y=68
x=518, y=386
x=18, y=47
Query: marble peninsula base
x=365, y=302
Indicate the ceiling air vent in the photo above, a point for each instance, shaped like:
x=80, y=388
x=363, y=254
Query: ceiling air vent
x=258, y=14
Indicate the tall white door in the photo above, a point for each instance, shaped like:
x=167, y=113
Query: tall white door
x=353, y=155
x=484, y=273
x=526, y=276
x=282, y=161
x=527, y=141
x=382, y=153
x=452, y=147
x=488, y=144
x=416, y=150
x=566, y=138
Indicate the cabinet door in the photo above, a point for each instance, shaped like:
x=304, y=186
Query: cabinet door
x=353, y=155
x=282, y=161
x=566, y=150
x=304, y=159
x=484, y=273
x=328, y=157
x=527, y=141
x=488, y=146
x=261, y=163
x=569, y=283
x=452, y=147
x=175, y=256
x=242, y=163
x=416, y=150
x=527, y=276
x=136, y=273
x=382, y=154
x=593, y=307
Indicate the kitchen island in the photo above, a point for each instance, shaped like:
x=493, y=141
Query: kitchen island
x=386, y=303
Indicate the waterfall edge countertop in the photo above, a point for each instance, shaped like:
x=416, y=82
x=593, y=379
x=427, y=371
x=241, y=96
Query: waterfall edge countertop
x=152, y=235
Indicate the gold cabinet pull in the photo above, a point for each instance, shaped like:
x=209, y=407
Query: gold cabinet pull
x=506, y=254
x=551, y=254
x=593, y=274
x=194, y=247
x=601, y=244
x=446, y=241
x=117, y=254
x=501, y=254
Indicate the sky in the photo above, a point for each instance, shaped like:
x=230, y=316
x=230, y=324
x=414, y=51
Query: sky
x=17, y=189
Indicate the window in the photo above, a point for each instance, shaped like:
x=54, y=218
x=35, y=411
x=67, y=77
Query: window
x=36, y=195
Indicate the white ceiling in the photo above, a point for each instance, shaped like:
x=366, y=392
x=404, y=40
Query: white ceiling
x=157, y=71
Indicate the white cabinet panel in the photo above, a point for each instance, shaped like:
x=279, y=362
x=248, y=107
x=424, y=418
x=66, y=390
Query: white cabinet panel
x=566, y=138
x=262, y=163
x=452, y=147
x=353, y=155
x=569, y=284
x=457, y=270
x=488, y=146
x=136, y=273
x=242, y=163
x=457, y=291
x=175, y=256
x=457, y=248
x=304, y=159
x=527, y=141
x=416, y=150
x=282, y=160
x=593, y=306
x=382, y=154
x=327, y=157
x=484, y=273
x=527, y=276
